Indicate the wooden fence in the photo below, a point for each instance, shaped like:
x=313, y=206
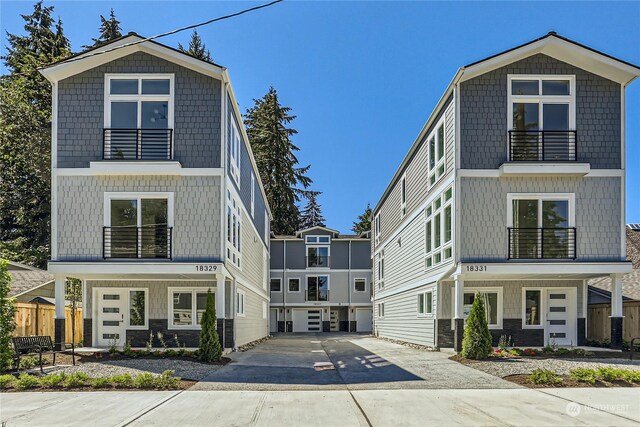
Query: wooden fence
x=39, y=319
x=599, y=324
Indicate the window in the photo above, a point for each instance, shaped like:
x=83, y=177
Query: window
x=294, y=285
x=138, y=225
x=317, y=288
x=532, y=307
x=360, y=285
x=187, y=306
x=381, y=309
x=138, y=309
x=381, y=270
x=439, y=229
x=403, y=196
x=318, y=256
x=425, y=303
x=318, y=239
x=234, y=150
x=234, y=235
x=275, y=285
x=253, y=194
x=437, y=146
x=492, y=302
x=377, y=229
x=240, y=297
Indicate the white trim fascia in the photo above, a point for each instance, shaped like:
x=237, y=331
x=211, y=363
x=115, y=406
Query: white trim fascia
x=623, y=167
x=119, y=270
x=496, y=173
x=307, y=270
x=539, y=269
x=316, y=304
x=435, y=192
x=457, y=218
x=108, y=167
x=54, y=168
x=223, y=166
x=35, y=288
x=535, y=169
x=317, y=227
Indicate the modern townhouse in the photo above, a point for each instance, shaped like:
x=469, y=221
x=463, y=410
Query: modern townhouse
x=156, y=199
x=320, y=282
x=514, y=190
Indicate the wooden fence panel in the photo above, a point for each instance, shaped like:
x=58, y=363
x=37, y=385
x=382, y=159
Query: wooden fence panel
x=38, y=319
x=599, y=324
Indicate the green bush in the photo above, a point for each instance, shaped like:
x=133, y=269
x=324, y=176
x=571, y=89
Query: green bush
x=167, y=380
x=76, y=379
x=28, y=362
x=210, y=349
x=171, y=353
x=632, y=376
x=144, y=380
x=562, y=351
x=26, y=381
x=122, y=380
x=611, y=374
x=6, y=381
x=584, y=375
x=516, y=351
x=53, y=380
x=476, y=343
x=102, y=382
x=544, y=376
x=548, y=350
x=7, y=318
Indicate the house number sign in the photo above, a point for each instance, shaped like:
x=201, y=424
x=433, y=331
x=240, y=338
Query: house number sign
x=207, y=267
x=476, y=267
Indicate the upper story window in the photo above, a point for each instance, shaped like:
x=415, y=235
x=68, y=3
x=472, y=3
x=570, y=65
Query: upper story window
x=376, y=226
x=318, y=239
x=235, y=150
x=275, y=285
x=138, y=117
x=403, y=195
x=318, y=256
x=541, y=118
x=380, y=271
x=439, y=229
x=436, y=152
x=234, y=236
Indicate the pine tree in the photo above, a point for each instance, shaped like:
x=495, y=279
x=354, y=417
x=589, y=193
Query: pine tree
x=25, y=137
x=196, y=48
x=109, y=30
x=210, y=349
x=363, y=223
x=312, y=213
x=476, y=343
x=270, y=140
x=7, y=318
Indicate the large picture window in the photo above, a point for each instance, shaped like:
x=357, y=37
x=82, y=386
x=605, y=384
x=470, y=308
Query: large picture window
x=492, y=298
x=234, y=231
x=317, y=288
x=187, y=306
x=436, y=153
x=438, y=229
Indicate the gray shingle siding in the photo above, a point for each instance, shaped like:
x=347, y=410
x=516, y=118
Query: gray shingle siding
x=196, y=123
x=483, y=115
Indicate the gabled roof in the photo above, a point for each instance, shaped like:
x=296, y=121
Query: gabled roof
x=335, y=233
x=26, y=279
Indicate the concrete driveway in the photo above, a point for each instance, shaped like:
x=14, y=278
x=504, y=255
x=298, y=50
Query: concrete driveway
x=338, y=361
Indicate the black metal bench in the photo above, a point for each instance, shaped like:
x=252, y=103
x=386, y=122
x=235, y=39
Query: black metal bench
x=33, y=344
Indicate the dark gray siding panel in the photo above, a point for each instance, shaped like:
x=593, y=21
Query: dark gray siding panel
x=296, y=255
x=483, y=115
x=277, y=257
x=361, y=254
x=339, y=255
x=196, y=123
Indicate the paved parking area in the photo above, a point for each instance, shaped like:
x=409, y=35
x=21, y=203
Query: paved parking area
x=338, y=361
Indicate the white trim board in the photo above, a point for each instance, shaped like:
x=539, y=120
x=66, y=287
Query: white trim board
x=110, y=167
x=496, y=173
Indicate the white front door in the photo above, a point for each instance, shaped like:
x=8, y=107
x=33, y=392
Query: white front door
x=335, y=321
x=111, y=309
x=561, y=317
x=273, y=320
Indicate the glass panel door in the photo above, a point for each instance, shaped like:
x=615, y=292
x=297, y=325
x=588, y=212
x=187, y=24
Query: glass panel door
x=154, y=134
x=124, y=122
x=154, y=228
x=556, y=138
x=323, y=288
x=312, y=289
x=555, y=232
x=526, y=123
x=124, y=230
x=524, y=239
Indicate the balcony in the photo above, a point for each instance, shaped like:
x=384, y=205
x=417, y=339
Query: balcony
x=131, y=242
x=137, y=144
x=542, y=243
x=317, y=261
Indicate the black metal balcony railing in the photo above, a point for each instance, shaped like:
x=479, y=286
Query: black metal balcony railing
x=151, y=241
x=318, y=261
x=542, y=146
x=542, y=243
x=137, y=144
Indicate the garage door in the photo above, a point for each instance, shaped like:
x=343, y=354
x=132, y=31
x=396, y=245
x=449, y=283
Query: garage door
x=363, y=319
x=307, y=320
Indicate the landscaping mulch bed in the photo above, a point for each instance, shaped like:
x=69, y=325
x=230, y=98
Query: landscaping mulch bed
x=182, y=385
x=567, y=382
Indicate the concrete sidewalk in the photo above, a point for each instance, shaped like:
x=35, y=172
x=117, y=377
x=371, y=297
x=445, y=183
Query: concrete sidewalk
x=571, y=407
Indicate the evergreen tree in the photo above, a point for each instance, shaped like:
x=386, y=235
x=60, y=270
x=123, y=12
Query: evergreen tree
x=364, y=221
x=109, y=30
x=210, y=349
x=476, y=342
x=25, y=137
x=270, y=140
x=7, y=318
x=312, y=213
x=196, y=48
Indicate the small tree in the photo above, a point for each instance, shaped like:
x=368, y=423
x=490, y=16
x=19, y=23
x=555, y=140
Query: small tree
x=7, y=318
x=476, y=343
x=73, y=296
x=196, y=48
x=210, y=348
x=312, y=213
x=364, y=221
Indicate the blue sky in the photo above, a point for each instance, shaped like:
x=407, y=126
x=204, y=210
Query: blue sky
x=362, y=77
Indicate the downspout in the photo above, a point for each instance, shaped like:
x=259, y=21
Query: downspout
x=284, y=282
x=349, y=293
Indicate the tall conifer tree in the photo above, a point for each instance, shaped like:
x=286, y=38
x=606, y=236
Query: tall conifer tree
x=196, y=48
x=283, y=180
x=312, y=213
x=109, y=30
x=364, y=221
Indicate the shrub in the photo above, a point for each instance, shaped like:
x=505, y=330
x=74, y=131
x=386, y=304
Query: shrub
x=610, y=374
x=544, y=376
x=122, y=380
x=103, y=382
x=6, y=381
x=516, y=351
x=7, y=318
x=157, y=353
x=529, y=352
x=170, y=353
x=548, y=350
x=144, y=380
x=210, y=349
x=53, y=380
x=126, y=350
x=584, y=375
x=504, y=342
x=476, y=343
x=632, y=376
x=26, y=381
x=562, y=351
x=167, y=380
x=76, y=379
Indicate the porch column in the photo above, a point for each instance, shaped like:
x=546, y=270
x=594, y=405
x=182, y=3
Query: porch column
x=458, y=315
x=220, y=309
x=59, y=338
x=616, y=311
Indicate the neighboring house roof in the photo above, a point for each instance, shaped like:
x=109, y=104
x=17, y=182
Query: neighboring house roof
x=553, y=45
x=318, y=227
x=25, y=278
x=631, y=281
x=335, y=234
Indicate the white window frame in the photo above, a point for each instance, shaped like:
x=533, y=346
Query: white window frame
x=380, y=270
x=306, y=286
x=422, y=296
x=240, y=303
x=543, y=308
x=403, y=196
x=380, y=310
x=377, y=229
x=279, y=279
x=139, y=97
x=540, y=197
x=317, y=246
x=194, y=315
x=233, y=214
x=235, y=151
x=289, y=285
x=138, y=196
x=318, y=239
x=253, y=194
x=498, y=290
x=440, y=158
x=430, y=255
x=356, y=279
x=146, y=308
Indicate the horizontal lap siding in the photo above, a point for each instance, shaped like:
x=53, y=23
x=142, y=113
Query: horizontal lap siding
x=404, y=262
x=253, y=325
x=401, y=319
x=252, y=259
